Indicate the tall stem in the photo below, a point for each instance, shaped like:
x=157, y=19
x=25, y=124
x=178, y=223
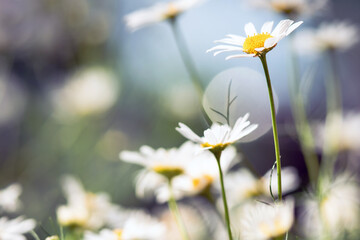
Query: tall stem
x=176, y=213
x=186, y=57
x=274, y=126
x=189, y=63
x=227, y=218
x=302, y=125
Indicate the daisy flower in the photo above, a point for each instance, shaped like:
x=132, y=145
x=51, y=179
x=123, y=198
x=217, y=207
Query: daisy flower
x=138, y=225
x=291, y=7
x=335, y=210
x=339, y=133
x=218, y=137
x=84, y=209
x=242, y=185
x=255, y=44
x=16, y=228
x=9, y=198
x=336, y=35
x=200, y=175
x=159, y=12
x=168, y=163
x=260, y=221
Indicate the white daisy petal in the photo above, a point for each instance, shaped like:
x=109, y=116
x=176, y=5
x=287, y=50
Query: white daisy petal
x=188, y=133
x=267, y=27
x=282, y=27
x=271, y=42
x=250, y=29
x=240, y=56
x=293, y=27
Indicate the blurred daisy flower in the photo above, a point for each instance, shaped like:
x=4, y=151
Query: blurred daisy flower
x=9, y=198
x=243, y=185
x=84, y=209
x=291, y=7
x=15, y=228
x=336, y=35
x=88, y=91
x=260, y=221
x=218, y=137
x=255, y=44
x=159, y=12
x=138, y=225
x=200, y=175
x=340, y=133
x=336, y=209
x=167, y=163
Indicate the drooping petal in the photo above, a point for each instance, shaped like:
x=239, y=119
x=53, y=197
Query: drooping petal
x=267, y=27
x=250, y=29
x=240, y=56
x=188, y=133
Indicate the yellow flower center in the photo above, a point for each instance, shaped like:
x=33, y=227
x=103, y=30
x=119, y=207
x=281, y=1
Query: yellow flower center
x=286, y=8
x=206, y=178
x=172, y=11
x=168, y=171
x=118, y=233
x=256, y=41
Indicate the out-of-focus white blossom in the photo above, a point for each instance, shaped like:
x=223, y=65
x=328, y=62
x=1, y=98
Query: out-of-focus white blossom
x=255, y=44
x=138, y=225
x=9, y=198
x=291, y=7
x=89, y=91
x=15, y=229
x=337, y=35
x=84, y=209
x=335, y=210
x=339, y=133
x=242, y=185
x=218, y=137
x=159, y=12
x=260, y=221
x=200, y=175
x=168, y=163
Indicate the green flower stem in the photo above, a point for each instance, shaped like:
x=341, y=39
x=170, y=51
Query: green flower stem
x=189, y=64
x=217, y=155
x=176, y=213
x=333, y=85
x=274, y=126
x=302, y=125
x=186, y=57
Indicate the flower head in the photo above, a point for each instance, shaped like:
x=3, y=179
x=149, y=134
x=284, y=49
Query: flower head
x=255, y=44
x=84, y=209
x=337, y=35
x=138, y=225
x=9, y=198
x=340, y=133
x=200, y=175
x=15, y=228
x=335, y=210
x=158, y=13
x=168, y=163
x=291, y=7
x=218, y=137
x=260, y=221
